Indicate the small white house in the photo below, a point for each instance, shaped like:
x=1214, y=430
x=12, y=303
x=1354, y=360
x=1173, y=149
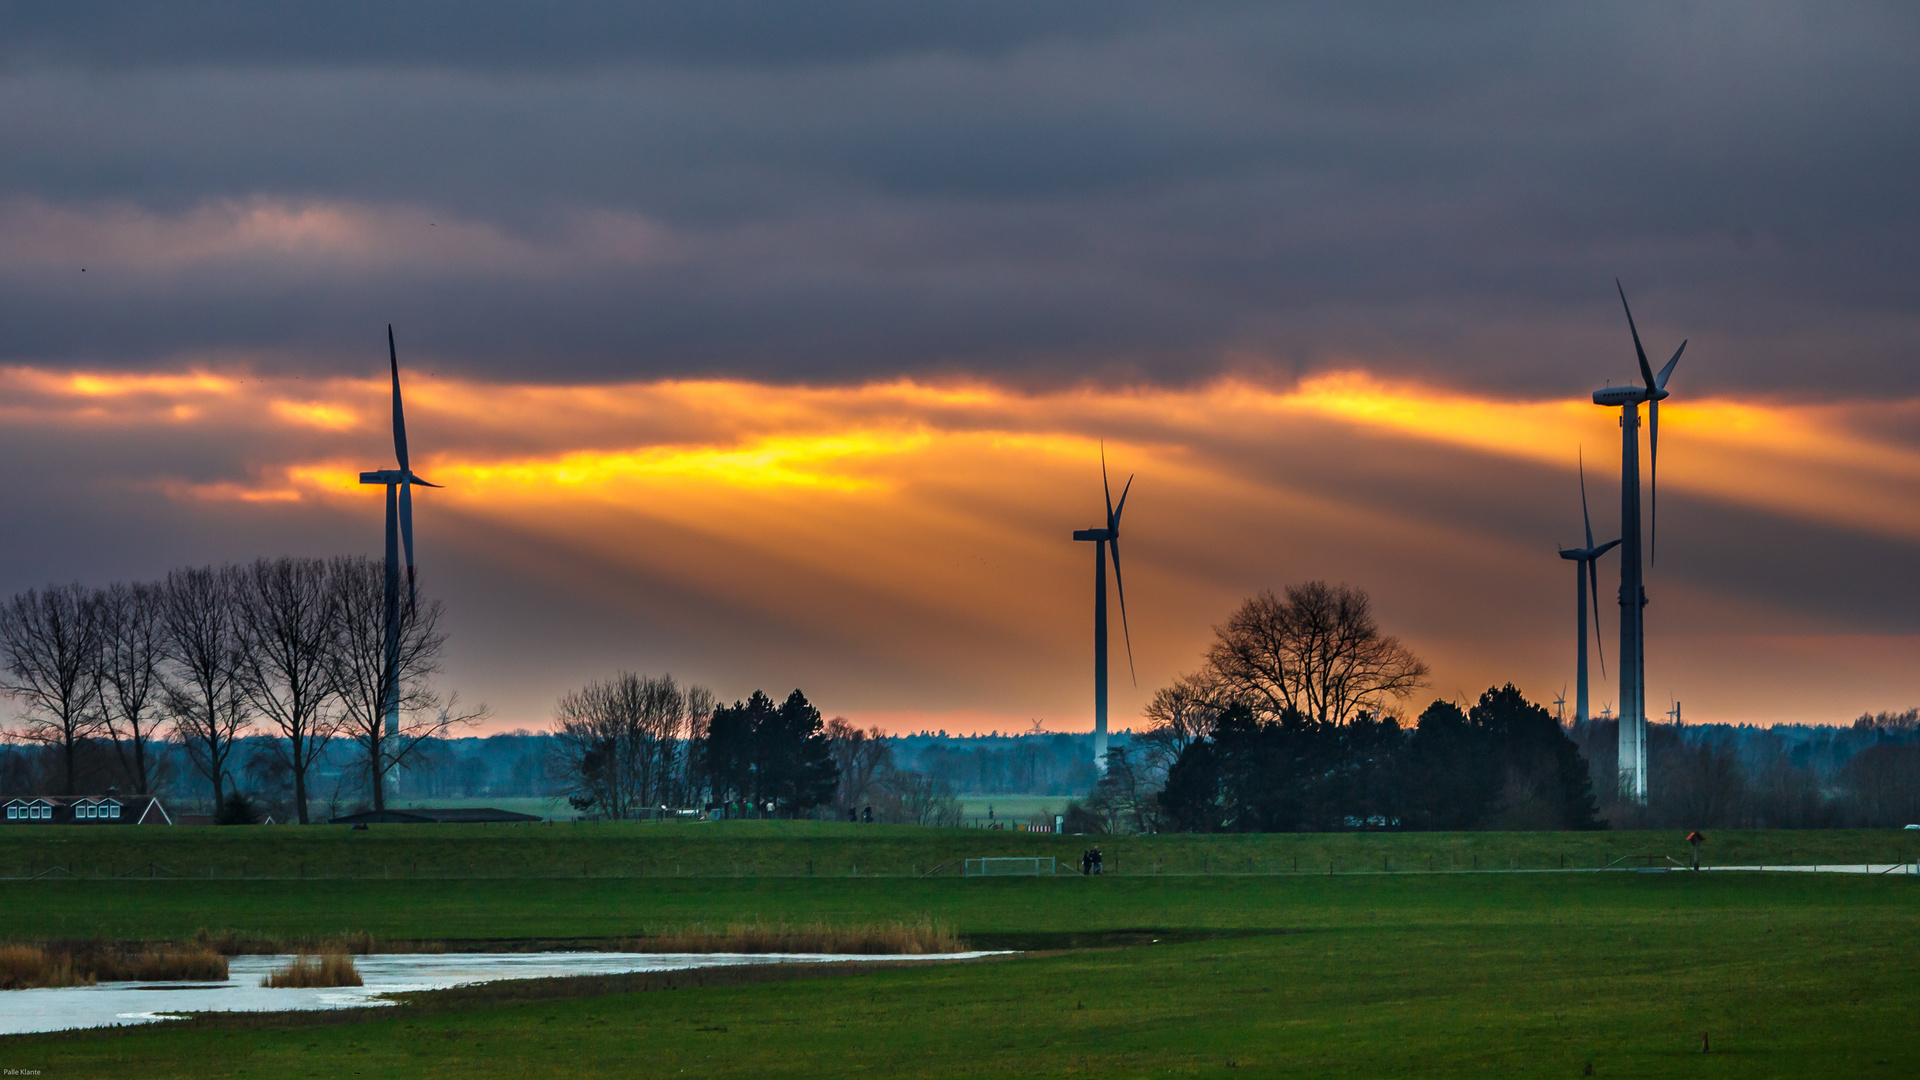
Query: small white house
x=35, y=809
x=86, y=810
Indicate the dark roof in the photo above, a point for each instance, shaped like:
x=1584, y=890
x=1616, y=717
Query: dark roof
x=422, y=816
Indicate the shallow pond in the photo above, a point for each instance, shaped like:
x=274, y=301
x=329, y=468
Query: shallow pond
x=109, y=1004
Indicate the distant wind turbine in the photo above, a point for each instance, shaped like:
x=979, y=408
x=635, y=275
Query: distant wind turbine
x=1103, y=540
x=1633, y=593
x=1586, y=575
x=399, y=484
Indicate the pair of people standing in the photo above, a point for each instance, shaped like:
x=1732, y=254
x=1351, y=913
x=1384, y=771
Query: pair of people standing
x=1090, y=862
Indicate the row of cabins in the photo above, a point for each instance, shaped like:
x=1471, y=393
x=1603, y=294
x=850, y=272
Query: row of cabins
x=146, y=810
x=86, y=810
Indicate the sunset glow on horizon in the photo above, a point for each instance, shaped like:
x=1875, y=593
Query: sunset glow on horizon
x=925, y=519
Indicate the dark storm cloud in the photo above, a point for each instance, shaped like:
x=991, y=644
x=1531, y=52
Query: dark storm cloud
x=844, y=191
x=502, y=35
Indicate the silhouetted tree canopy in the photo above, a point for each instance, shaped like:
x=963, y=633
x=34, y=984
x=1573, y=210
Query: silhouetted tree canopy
x=1504, y=764
x=762, y=752
x=1316, y=652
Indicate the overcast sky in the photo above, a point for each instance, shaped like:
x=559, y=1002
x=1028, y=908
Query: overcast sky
x=774, y=344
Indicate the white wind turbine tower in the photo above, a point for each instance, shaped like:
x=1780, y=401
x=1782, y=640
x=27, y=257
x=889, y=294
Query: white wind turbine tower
x=1104, y=541
x=1633, y=593
x=399, y=483
x=1586, y=576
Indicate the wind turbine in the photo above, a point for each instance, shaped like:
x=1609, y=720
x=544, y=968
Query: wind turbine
x=399, y=484
x=1633, y=593
x=1586, y=575
x=1560, y=706
x=1103, y=539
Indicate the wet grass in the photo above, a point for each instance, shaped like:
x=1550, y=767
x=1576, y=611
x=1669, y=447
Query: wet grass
x=1502, y=975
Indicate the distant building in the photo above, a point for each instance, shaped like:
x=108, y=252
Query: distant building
x=86, y=810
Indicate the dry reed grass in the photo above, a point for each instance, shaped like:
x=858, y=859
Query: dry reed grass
x=306, y=971
x=234, y=943
x=921, y=938
x=25, y=966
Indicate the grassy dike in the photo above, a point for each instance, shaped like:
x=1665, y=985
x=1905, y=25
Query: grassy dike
x=822, y=849
x=1356, y=975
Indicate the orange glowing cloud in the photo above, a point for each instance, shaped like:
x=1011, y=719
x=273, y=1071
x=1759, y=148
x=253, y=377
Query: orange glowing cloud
x=511, y=441
x=924, y=526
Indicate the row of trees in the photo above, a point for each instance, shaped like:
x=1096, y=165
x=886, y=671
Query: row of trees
x=1041, y=764
x=211, y=655
x=636, y=742
x=872, y=776
x=629, y=745
x=1705, y=777
x=1503, y=763
x=1288, y=725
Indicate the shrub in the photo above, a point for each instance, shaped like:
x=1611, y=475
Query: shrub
x=333, y=969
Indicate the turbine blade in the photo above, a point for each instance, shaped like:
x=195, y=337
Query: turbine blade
x=1604, y=548
x=1599, y=639
x=1646, y=369
x=399, y=418
x=1120, y=587
x=1584, y=516
x=1660, y=382
x=1113, y=523
x=1104, y=486
x=406, y=534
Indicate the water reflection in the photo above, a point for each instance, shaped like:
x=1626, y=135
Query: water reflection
x=109, y=1004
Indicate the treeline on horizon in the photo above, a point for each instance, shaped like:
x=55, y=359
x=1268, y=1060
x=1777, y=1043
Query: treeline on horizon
x=634, y=745
x=1286, y=726
x=263, y=681
x=129, y=686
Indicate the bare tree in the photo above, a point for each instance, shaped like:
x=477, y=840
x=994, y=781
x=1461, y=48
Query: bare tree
x=1125, y=799
x=289, y=620
x=1318, y=651
x=700, y=706
x=1187, y=710
x=591, y=760
x=620, y=742
x=132, y=647
x=910, y=798
x=200, y=621
x=863, y=757
x=366, y=680
x=50, y=641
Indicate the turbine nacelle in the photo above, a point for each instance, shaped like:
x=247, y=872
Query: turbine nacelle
x=1622, y=395
x=1095, y=534
x=1584, y=554
x=394, y=476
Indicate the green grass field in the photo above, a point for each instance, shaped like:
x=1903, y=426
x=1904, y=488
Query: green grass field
x=1013, y=808
x=825, y=849
x=1310, y=973
x=555, y=807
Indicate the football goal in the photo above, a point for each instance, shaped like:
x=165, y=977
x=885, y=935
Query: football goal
x=1009, y=867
